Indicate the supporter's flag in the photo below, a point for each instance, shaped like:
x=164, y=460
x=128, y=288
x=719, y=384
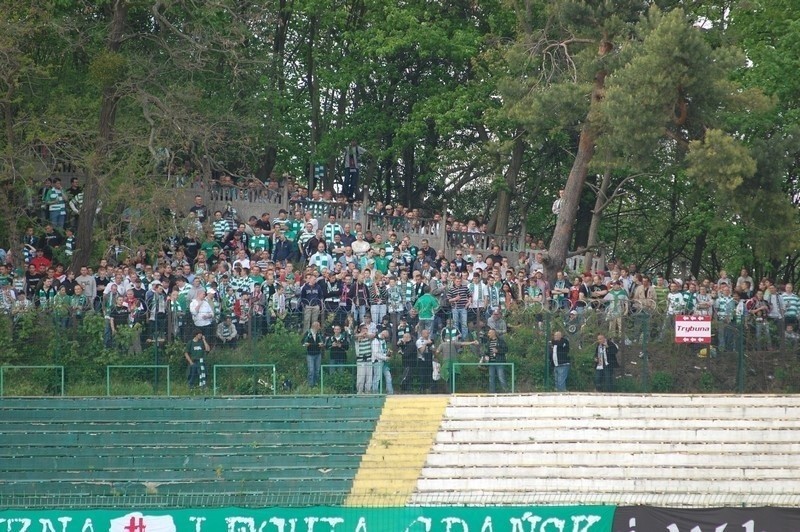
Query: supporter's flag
x=136, y=522
x=319, y=174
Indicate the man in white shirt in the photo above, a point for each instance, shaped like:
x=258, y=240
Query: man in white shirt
x=202, y=313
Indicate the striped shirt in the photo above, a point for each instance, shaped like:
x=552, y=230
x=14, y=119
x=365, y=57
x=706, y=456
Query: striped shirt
x=330, y=230
x=462, y=293
x=791, y=302
x=364, y=350
x=221, y=228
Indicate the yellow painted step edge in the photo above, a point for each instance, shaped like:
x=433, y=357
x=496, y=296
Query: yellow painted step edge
x=402, y=439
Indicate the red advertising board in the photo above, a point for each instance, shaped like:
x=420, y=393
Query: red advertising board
x=692, y=329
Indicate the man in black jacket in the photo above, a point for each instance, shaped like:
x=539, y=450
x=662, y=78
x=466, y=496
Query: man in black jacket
x=605, y=358
x=408, y=351
x=559, y=360
x=495, y=355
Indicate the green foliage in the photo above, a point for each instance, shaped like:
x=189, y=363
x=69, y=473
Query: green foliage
x=707, y=383
x=107, y=69
x=662, y=382
x=719, y=160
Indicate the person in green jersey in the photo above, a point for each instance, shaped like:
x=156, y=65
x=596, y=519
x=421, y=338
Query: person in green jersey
x=426, y=306
x=197, y=350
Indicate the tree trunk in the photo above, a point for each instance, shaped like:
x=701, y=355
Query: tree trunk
x=697, y=255
x=96, y=168
x=499, y=223
x=597, y=216
x=278, y=86
x=409, y=175
x=673, y=205
x=562, y=235
x=7, y=191
x=313, y=94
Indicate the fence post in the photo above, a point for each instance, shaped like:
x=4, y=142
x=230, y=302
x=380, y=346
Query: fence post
x=154, y=339
x=546, y=351
x=740, y=349
x=645, y=361
x=442, y=230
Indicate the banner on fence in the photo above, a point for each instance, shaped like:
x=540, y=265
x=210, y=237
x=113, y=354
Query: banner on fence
x=692, y=329
x=649, y=519
x=317, y=519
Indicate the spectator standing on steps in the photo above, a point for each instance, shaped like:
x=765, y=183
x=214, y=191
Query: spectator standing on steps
x=311, y=296
x=605, y=359
x=314, y=342
x=352, y=164
x=380, y=363
x=496, y=350
x=559, y=360
x=363, y=361
x=196, y=351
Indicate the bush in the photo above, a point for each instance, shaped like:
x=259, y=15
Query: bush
x=662, y=382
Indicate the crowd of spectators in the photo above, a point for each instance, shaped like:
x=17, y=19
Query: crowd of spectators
x=355, y=294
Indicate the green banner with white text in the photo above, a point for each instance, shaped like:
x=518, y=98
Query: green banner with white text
x=317, y=519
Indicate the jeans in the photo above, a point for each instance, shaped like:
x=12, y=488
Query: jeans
x=427, y=325
x=381, y=369
x=57, y=218
x=763, y=338
x=377, y=312
x=460, y=321
x=350, y=182
x=727, y=337
x=359, y=311
x=314, y=363
x=561, y=372
x=604, y=379
x=497, y=372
